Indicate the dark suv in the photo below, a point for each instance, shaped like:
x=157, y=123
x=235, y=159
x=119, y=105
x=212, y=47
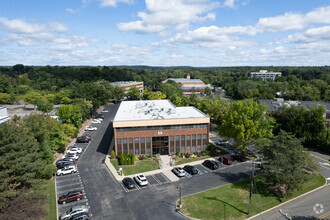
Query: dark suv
x=211, y=164
x=74, y=195
x=226, y=160
x=83, y=139
x=239, y=157
x=64, y=164
x=190, y=169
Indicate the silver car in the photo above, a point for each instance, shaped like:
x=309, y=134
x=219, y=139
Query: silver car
x=74, y=210
x=179, y=171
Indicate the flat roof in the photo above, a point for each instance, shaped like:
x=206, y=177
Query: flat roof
x=155, y=110
x=123, y=83
x=184, y=80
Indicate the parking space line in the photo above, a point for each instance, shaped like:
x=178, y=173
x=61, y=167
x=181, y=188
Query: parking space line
x=157, y=180
x=63, y=192
x=165, y=177
x=71, y=203
x=122, y=185
x=68, y=181
x=66, y=185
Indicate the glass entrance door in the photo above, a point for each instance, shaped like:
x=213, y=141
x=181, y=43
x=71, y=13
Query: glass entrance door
x=160, y=145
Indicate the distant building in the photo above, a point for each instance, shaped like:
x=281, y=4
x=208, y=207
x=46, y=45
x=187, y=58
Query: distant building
x=159, y=127
x=264, y=75
x=190, y=85
x=129, y=84
x=275, y=104
x=4, y=118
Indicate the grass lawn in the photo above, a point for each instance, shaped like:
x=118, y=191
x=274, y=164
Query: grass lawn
x=181, y=160
x=50, y=205
x=231, y=201
x=139, y=167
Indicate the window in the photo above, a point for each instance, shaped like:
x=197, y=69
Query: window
x=183, y=144
x=136, y=145
x=193, y=147
x=148, y=145
x=188, y=143
x=172, y=144
x=199, y=142
x=131, y=145
x=125, y=145
x=119, y=151
x=143, y=146
x=204, y=142
x=177, y=143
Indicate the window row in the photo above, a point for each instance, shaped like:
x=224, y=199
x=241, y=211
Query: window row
x=164, y=127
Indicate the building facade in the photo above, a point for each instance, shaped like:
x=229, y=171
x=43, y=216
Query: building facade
x=158, y=127
x=190, y=85
x=264, y=75
x=129, y=84
x=4, y=118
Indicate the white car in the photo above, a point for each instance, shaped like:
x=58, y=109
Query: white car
x=73, y=156
x=90, y=128
x=141, y=179
x=105, y=110
x=97, y=121
x=66, y=170
x=179, y=171
x=222, y=142
x=74, y=150
x=74, y=210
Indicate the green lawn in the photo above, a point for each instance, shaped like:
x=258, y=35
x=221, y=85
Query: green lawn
x=50, y=205
x=179, y=161
x=139, y=167
x=231, y=201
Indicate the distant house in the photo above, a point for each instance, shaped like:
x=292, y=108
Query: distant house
x=275, y=104
x=129, y=84
x=4, y=118
x=190, y=86
x=264, y=75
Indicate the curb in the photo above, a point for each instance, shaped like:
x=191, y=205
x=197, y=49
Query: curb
x=56, y=199
x=256, y=215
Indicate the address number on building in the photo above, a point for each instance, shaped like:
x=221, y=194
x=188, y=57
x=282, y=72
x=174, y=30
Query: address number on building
x=160, y=132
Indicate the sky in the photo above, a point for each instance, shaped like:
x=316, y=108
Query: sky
x=198, y=33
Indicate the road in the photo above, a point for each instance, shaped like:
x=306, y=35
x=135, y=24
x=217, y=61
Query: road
x=108, y=200
x=311, y=206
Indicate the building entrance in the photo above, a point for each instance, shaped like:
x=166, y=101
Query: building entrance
x=160, y=145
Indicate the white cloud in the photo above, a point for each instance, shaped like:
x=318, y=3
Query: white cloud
x=319, y=15
x=111, y=3
x=72, y=11
x=164, y=14
x=58, y=26
x=20, y=26
x=229, y=3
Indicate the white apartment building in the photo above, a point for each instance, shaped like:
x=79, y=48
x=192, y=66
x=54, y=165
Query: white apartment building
x=264, y=75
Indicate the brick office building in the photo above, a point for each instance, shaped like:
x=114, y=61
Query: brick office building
x=157, y=126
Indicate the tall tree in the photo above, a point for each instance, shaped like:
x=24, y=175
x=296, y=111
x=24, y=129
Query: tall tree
x=70, y=114
x=246, y=121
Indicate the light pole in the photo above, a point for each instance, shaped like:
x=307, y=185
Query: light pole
x=180, y=201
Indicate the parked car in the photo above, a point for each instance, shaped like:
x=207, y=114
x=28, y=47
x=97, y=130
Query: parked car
x=96, y=121
x=179, y=171
x=74, y=195
x=211, y=164
x=226, y=160
x=128, y=183
x=73, y=156
x=67, y=170
x=74, y=150
x=80, y=216
x=141, y=179
x=67, y=163
x=74, y=210
x=190, y=169
x=222, y=142
x=64, y=160
x=83, y=139
x=90, y=128
x=105, y=111
x=100, y=116
x=239, y=157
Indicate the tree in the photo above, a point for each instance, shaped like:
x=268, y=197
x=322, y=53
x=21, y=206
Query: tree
x=70, y=114
x=133, y=93
x=117, y=93
x=6, y=98
x=44, y=105
x=246, y=121
x=32, y=98
x=150, y=95
x=286, y=162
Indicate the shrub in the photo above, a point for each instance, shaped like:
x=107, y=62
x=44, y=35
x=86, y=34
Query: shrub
x=187, y=155
x=203, y=153
x=177, y=154
x=61, y=148
x=113, y=154
x=141, y=157
x=49, y=171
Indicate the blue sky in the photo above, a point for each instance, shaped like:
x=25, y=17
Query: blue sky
x=165, y=32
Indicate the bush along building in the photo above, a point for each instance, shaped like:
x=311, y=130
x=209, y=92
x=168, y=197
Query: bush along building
x=159, y=127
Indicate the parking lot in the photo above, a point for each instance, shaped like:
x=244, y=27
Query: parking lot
x=158, y=179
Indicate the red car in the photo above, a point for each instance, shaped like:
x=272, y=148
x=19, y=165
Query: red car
x=226, y=160
x=75, y=195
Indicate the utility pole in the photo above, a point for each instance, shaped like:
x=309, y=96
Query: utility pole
x=251, y=184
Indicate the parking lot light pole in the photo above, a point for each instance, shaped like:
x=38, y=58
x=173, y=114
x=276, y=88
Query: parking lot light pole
x=180, y=201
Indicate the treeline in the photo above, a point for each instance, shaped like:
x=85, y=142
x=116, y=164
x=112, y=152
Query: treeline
x=296, y=83
x=26, y=163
